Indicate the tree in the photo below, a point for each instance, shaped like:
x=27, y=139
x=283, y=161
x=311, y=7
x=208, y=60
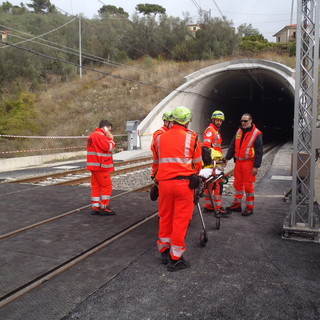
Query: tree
x=42, y=6
x=112, y=11
x=247, y=30
x=216, y=38
x=148, y=8
x=6, y=7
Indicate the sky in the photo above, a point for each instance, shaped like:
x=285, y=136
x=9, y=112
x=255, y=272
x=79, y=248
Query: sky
x=268, y=17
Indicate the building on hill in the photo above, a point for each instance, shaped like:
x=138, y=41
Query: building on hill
x=286, y=34
x=193, y=28
x=4, y=35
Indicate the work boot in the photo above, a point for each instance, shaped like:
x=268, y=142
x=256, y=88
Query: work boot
x=236, y=207
x=107, y=211
x=165, y=255
x=175, y=265
x=247, y=212
x=95, y=212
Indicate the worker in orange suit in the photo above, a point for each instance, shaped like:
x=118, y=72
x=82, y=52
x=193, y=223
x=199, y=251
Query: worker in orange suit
x=100, y=145
x=247, y=149
x=166, y=117
x=177, y=162
x=212, y=141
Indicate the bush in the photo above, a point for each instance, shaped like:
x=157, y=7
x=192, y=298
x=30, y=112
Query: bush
x=17, y=114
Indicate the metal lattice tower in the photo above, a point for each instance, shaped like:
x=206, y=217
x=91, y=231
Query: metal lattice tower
x=302, y=222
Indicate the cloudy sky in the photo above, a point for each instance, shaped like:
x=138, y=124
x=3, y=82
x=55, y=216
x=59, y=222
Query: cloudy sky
x=267, y=16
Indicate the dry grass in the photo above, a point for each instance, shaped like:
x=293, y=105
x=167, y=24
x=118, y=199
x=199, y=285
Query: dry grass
x=76, y=107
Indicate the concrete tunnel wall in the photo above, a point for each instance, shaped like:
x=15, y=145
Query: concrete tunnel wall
x=261, y=87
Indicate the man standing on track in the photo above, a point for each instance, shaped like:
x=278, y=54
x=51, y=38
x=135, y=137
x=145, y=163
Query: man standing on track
x=212, y=141
x=247, y=149
x=177, y=161
x=100, y=162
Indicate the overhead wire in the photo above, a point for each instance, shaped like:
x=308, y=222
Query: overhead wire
x=44, y=34
x=76, y=52
x=103, y=72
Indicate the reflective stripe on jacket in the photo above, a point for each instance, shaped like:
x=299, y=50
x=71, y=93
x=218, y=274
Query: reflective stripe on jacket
x=99, y=151
x=177, y=152
x=244, y=146
x=212, y=138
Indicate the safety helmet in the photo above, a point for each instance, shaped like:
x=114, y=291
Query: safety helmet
x=166, y=116
x=217, y=115
x=181, y=115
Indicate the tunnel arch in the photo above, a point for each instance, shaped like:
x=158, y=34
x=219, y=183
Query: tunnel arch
x=261, y=87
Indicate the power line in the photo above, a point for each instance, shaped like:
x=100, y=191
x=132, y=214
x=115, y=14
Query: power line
x=222, y=15
x=105, y=73
x=76, y=53
x=44, y=34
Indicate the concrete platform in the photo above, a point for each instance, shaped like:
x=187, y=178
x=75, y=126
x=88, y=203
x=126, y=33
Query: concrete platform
x=246, y=271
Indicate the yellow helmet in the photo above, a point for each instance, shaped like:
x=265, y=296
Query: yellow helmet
x=217, y=115
x=166, y=116
x=181, y=115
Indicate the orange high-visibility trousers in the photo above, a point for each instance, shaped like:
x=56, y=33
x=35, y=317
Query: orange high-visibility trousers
x=101, y=189
x=175, y=211
x=244, y=182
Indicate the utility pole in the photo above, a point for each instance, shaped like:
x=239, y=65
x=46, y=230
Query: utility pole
x=80, y=48
x=291, y=16
x=302, y=223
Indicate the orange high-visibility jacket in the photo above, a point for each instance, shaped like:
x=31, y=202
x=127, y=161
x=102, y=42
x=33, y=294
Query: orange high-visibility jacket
x=99, y=151
x=177, y=152
x=212, y=138
x=156, y=134
x=244, y=146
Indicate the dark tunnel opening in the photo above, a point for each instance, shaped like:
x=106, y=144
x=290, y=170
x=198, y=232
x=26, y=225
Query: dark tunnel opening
x=263, y=94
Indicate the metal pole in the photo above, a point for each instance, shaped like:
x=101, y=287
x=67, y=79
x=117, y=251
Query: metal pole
x=80, y=48
x=302, y=221
x=291, y=16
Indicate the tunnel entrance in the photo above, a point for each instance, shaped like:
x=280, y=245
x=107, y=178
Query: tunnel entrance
x=259, y=92
x=262, y=88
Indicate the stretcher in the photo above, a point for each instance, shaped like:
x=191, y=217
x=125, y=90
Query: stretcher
x=205, y=178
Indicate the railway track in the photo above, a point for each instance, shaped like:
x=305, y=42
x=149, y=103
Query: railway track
x=71, y=177
x=89, y=250
x=144, y=188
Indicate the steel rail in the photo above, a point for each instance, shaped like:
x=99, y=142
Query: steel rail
x=72, y=172
x=144, y=188
x=40, y=223
x=18, y=292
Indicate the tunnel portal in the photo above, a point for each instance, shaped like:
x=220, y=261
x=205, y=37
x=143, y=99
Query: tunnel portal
x=262, y=88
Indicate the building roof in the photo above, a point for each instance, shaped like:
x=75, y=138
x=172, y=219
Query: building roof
x=290, y=26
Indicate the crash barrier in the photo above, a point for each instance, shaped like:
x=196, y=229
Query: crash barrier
x=4, y=153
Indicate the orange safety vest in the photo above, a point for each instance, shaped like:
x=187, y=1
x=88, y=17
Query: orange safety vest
x=212, y=138
x=177, y=152
x=99, y=151
x=246, y=150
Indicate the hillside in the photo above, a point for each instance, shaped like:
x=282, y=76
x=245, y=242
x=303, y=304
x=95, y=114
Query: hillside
x=75, y=107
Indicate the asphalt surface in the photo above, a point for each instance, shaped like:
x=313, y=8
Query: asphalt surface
x=246, y=270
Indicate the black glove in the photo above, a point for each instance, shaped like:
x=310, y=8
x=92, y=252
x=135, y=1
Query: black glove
x=206, y=156
x=154, y=192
